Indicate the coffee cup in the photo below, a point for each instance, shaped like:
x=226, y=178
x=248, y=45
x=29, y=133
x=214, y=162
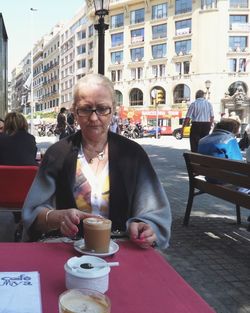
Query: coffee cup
x=96, y=232
x=83, y=300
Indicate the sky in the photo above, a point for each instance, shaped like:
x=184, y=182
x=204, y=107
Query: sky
x=18, y=19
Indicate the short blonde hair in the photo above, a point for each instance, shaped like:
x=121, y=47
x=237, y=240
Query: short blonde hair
x=13, y=122
x=94, y=79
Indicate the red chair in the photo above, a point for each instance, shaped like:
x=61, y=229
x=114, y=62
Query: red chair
x=15, y=182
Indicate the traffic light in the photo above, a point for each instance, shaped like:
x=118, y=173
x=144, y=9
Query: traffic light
x=160, y=98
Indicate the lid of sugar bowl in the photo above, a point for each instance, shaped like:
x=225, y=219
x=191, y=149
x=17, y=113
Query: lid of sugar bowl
x=87, y=267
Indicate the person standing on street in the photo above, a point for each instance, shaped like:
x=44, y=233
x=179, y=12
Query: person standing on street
x=202, y=116
x=61, y=123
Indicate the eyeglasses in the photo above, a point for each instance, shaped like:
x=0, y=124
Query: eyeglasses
x=98, y=111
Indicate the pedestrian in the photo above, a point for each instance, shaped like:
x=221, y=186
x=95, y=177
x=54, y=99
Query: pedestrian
x=61, y=123
x=114, y=123
x=97, y=172
x=1, y=125
x=201, y=115
x=70, y=129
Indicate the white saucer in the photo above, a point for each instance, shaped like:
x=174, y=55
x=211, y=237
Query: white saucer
x=79, y=246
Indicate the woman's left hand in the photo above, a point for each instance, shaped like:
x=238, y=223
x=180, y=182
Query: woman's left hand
x=142, y=234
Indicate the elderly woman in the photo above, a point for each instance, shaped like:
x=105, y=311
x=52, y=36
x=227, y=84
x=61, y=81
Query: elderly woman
x=95, y=171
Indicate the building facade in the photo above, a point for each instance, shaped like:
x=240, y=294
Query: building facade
x=167, y=48
x=3, y=68
x=178, y=47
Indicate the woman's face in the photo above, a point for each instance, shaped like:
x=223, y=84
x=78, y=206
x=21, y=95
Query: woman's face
x=92, y=124
x=1, y=126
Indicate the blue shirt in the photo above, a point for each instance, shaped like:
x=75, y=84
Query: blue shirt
x=200, y=110
x=221, y=144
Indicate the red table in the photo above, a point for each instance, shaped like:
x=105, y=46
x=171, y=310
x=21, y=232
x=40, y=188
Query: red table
x=143, y=283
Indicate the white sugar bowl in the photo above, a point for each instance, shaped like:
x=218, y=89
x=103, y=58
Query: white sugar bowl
x=78, y=275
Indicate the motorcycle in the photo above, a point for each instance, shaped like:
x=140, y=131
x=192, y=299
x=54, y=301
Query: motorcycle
x=51, y=130
x=41, y=130
x=138, y=131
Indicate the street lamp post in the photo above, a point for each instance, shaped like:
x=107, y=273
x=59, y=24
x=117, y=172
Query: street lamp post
x=101, y=9
x=208, y=85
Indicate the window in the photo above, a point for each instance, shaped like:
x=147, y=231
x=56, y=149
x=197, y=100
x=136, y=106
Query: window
x=183, y=6
x=116, y=57
x=117, y=20
x=90, y=48
x=159, y=11
x=186, y=67
x=116, y=76
x=159, y=70
x=159, y=51
x=136, y=97
x=116, y=39
x=238, y=3
x=137, y=35
x=237, y=65
x=238, y=42
x=137, y=54
x=238, y=22
x=183, y=27
x=91, y=30
x=159, y=31
x=183, y=46
x=182, y=67
x=90, y=63
x=208, y=4
x=81, y=34
x=81, y=63
x=136, y=73
x=81, y=49
x=181, y=93
x=119, y=97
x=137, y=16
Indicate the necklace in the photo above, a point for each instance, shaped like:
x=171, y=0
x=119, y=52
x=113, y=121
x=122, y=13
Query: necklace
x=100, y=155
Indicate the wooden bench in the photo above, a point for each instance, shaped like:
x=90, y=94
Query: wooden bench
x=233, y=174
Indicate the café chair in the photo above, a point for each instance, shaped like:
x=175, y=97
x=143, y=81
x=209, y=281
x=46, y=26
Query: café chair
x=15, y=182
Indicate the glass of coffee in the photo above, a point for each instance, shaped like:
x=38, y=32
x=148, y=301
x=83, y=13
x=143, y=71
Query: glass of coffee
x=83, y=300
x=96, y=232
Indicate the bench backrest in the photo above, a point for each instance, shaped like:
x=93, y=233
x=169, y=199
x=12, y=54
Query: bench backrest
x=15, y=182
x=234, y=174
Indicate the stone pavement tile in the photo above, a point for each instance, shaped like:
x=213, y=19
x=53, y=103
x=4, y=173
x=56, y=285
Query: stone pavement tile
x=213, y=256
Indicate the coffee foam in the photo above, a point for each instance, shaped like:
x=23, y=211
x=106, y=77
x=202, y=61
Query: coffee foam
x=101, y=223
x=76, y=302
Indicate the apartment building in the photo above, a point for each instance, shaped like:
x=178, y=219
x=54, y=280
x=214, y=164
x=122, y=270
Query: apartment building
x=38, y=73
x=77, y=54
x=51, y=60
x=178, y=47
x=3, y=68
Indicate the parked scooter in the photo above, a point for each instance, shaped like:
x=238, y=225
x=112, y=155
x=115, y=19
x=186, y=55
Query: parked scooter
x=41, y=130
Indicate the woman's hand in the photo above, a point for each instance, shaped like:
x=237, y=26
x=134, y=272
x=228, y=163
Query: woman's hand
x=67, y=221
x=142, y=234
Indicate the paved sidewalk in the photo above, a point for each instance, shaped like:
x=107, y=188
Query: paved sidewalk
x=212, y=254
